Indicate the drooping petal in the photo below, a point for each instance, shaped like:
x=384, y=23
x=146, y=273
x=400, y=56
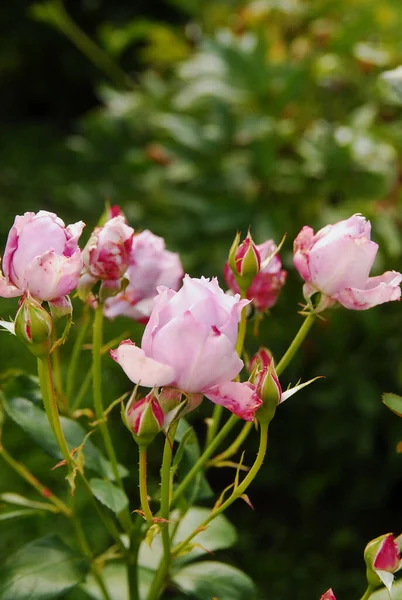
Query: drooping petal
x=240, y=398
x=139, y=368
x=381, y=289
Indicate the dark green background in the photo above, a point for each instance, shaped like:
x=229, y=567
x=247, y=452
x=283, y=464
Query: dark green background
x=265, y=114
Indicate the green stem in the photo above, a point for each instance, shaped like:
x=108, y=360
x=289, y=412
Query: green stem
x=49, y=400
x=31, y=479
x=58, y=380
x=367, y=593
x=214, y=424
x=83, y=543
x=234, y=447
x=166, y=483
x=143, y=485
x=208, y=452
x=296, y=343
x=75, y=354
x=159, y=580
x=238, y=491
x=98, y=404
x=50, y=403
x=132, y=564
x=88, y=47
x=242, y=330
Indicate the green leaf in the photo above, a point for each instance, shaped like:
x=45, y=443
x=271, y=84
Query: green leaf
x=393, y=402
x=33, y=421
x=19, y=500
x=8, y=515
x=187, y=455
x=43, y=569
x=209, y=579
x=219, y=534
x=110, y=495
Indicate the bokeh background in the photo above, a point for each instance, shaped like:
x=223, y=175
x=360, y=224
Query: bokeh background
x=200, y=118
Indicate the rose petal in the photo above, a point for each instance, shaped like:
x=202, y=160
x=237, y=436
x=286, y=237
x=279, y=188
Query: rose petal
x=139, y=368
x=240, y=398
x=379, y=290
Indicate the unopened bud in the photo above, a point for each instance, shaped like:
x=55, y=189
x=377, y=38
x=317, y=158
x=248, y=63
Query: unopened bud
x=381, y=556
x=329, y=595
x=269, y=390
x=33, y=326
x=174, y=402
x=144, y=418
x=244, y=261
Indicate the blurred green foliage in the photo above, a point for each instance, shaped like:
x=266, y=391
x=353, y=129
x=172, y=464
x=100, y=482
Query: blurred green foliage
x=271, y=114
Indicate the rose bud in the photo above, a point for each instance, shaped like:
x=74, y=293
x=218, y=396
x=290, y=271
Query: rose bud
x=33, y=326
x=190, y=343
x=144, y=418
x=106, y=256
x=150, y=265
x=382, y=558
x=262, y=358
x=329, y=595
x=244, y=261
x=265, y=379
x=174, y=402
x=41, y=258
x=336, y=262
x=264, y=288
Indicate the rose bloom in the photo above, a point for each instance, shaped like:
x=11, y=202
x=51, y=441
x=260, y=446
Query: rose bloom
x=189, y=343
x=337, y=260
x=42, y=257
x=150, y=265
x=107, y=252
x=268, y=282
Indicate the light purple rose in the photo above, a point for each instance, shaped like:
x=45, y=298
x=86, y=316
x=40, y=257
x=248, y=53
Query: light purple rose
x=268, y=282
x=150, y=265
x=189, y=343
x=337, y=260
x=42, y=257
x=106, y=255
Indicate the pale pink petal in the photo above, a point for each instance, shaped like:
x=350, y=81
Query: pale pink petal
x=240, y=398
x=301, y=247
x=50, y=275
x=381, y=289
x=6, y=290
x=329, y=595
x=139, y=368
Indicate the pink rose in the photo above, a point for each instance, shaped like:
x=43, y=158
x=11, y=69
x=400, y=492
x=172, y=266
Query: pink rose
x=107, y=252
x=337, y=261
x=150, y=265
x=266, y=285
x=41, y=258
x=189, y=343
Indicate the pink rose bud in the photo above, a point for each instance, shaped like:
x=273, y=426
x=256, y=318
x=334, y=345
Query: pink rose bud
x=41, y=258
x=267, y=384
x=190, y=343
x=329, y=595
x=33, y=326
x=150, y=265
x=106, y=255
x=144, y=418
x=265, y=286
x=382, y=558
x=262, y=358
x=336, y=262
x=244, y=261
x=174, y=402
